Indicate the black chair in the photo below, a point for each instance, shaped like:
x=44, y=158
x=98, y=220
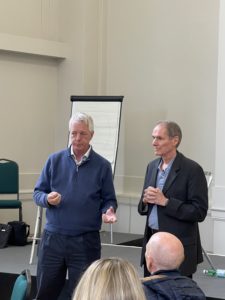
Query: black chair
x=9, y=186
x=22, y=286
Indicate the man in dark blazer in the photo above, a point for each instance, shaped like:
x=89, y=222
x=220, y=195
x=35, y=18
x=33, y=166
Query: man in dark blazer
x=174, y=197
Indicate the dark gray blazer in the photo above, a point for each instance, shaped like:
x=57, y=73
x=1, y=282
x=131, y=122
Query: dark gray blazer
x=186, y=189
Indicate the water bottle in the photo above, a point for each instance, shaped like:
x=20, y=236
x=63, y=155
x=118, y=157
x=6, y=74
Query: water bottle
x=215, y=273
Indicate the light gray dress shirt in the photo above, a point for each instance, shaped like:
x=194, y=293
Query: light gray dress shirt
x=161, y=179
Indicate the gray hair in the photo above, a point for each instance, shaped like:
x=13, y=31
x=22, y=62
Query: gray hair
x=173, y=129
x=82, y=117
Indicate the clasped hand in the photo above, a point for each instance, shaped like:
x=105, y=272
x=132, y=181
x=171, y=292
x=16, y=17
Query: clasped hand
x=154, y=196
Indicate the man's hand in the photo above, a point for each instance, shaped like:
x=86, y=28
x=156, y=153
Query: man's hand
x=109, y=216
x=54, y=198
x=154, y=196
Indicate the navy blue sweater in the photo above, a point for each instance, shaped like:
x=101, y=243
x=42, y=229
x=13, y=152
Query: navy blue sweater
x=87, y=191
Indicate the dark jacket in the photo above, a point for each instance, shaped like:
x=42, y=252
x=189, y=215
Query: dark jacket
x=186, y=189
x=171, y=286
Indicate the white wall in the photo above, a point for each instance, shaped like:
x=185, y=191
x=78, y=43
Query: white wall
x=28, y=92
x=161, y=55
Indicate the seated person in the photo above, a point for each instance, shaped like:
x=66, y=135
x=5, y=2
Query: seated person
x=110, y=278
x=164, y=255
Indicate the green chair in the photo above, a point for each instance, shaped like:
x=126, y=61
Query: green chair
x=9, y=186
x=22, y=286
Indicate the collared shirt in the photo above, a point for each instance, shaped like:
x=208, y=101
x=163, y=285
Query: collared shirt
x=160, y=181
x=83, y=158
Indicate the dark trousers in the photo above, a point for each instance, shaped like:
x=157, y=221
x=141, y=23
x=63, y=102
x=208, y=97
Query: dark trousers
x=60, y=255
x=146, y=271
x=149, y=234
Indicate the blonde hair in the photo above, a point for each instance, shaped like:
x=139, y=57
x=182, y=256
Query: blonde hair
x=110, y=278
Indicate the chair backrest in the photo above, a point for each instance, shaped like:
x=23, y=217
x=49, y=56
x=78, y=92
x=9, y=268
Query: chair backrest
x=22, y=286
x=9, y=177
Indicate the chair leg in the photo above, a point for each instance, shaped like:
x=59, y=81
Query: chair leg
x=111, y=233
x=208, y=259
x=20, y=214
x=37, y=232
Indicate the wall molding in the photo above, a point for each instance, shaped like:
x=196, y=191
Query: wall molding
x=34, y=46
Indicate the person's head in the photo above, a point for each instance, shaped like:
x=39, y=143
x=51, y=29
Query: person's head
x=81, y=128
x=110, y=279
x=166, y=136
x=164, y=251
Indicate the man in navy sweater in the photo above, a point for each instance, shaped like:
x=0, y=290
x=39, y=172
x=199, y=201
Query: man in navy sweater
x=164, y=255
x=76, y=188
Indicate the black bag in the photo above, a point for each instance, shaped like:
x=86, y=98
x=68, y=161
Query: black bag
x=5, y=232
x=19, y=234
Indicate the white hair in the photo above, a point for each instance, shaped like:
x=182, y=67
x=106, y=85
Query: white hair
x=82, y=117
